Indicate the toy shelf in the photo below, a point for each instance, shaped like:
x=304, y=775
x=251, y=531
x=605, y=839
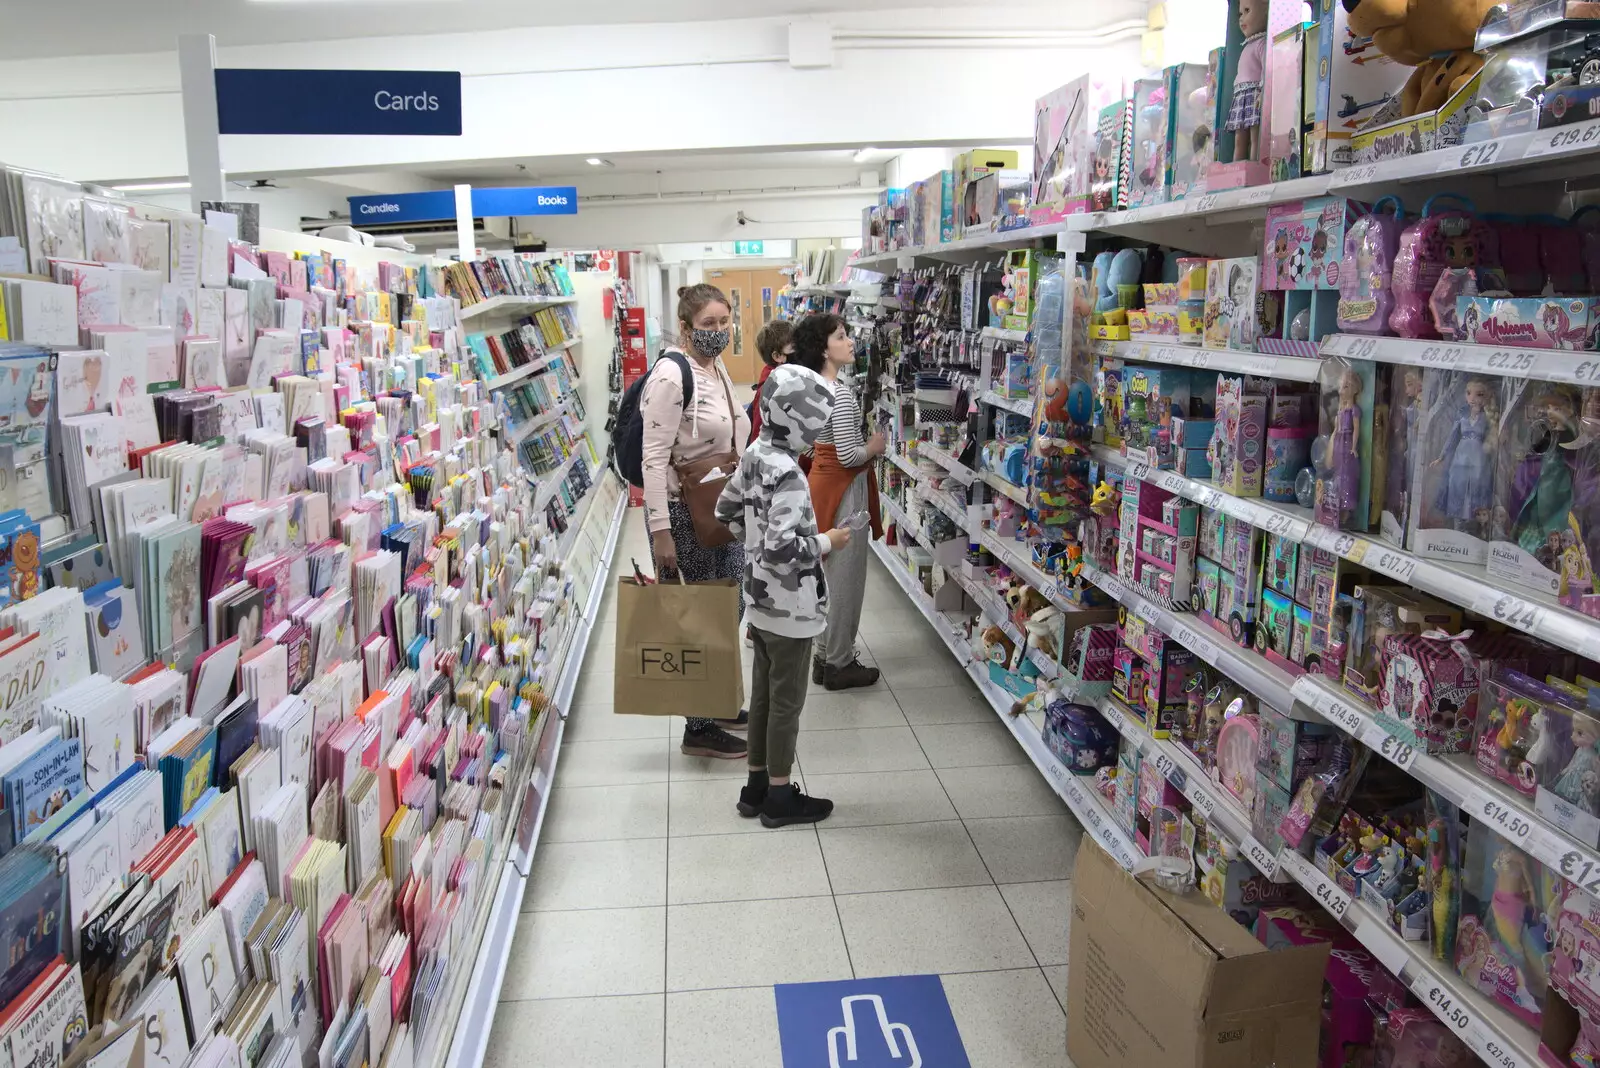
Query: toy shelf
x=1178, y=766
x=1245, y=666
x=944, y=502
x=1264, y=365
x=1017, y=406
x=1505, y=812
x=999, y=333
x=1090, y=809
x=1548, y=365
x=1467, y=585
x=970, y=247
x=1490, y=1032
x=958, y=470
x=1005, y=487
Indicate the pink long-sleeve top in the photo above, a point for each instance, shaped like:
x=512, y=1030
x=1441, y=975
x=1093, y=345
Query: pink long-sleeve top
x=673, y=435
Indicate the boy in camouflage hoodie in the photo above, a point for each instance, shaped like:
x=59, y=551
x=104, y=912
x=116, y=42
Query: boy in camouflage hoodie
x=767, y=503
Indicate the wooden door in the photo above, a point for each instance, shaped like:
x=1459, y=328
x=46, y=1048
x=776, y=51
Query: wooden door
x=755, y=304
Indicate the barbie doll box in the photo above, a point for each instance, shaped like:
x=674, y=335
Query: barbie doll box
x=1177, y=982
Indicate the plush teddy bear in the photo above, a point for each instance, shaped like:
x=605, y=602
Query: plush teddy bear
x=1434, y=36
x=998, y=648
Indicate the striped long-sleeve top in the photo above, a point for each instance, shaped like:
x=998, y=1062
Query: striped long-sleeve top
x=843, y=431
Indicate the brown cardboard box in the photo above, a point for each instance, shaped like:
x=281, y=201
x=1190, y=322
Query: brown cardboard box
x=1172, y=981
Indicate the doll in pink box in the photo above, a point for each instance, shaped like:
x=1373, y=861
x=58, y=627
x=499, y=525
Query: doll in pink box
x=1249, y=78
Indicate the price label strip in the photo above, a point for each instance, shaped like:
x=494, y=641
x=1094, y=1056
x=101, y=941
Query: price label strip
x=1445, y=1004
x=1574, y=138
x=1263, y=858
x=1481, y=154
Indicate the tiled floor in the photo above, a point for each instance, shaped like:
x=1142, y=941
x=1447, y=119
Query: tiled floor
x=657, y=920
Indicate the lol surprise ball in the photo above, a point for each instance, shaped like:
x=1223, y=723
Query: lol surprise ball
x=1579, y=781
x=1467, y=490
x=1244, y=111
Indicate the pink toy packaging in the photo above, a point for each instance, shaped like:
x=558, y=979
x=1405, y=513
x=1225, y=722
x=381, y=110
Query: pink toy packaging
x=1530, y=322
x=1440, y=239
x=1303, y=241
x=1370, y=244
x=1561, y=255
x=1502, y=940
x=1065, y=128
x=1430, y=692
x=1152, y=140
x=1347, y=1016
x=1520, y=264
x=1415, y=1038
x=1577, y=946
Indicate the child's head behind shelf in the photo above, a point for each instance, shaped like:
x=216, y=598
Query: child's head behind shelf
x=775, y=342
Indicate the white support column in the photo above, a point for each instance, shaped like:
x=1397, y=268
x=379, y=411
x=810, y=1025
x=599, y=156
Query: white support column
x=197, y=67
x=464, y=243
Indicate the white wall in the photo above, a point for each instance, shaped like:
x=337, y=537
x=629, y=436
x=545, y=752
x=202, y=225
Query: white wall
x=281, y=209
x=578, y=90
x=631, y=225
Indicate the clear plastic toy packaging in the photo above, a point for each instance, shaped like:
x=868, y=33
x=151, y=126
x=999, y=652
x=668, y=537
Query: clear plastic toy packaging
x=1370, y=244
x=1544, y=498
x=1343, y=455
x=1456, y=457
x=1503, y=940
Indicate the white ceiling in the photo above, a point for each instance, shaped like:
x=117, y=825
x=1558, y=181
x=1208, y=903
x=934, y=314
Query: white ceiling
x=37, y=28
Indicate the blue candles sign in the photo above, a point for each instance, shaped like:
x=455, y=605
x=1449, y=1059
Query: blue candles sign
x=425, y=103
x=441, y=204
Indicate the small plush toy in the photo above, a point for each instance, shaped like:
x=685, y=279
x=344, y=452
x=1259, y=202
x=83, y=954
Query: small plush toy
x=1041, y=629
x=998, y=648
x=1433, y=36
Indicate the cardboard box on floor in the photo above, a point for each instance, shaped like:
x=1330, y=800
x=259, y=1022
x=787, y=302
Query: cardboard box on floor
x=1173, y=981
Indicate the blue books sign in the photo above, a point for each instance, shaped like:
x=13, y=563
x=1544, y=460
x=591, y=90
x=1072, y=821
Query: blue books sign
x=441, y=204
x=386, y=102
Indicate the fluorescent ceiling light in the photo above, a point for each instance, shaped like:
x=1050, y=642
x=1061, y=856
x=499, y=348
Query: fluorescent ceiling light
x=865, y=154
x=150, y=187
x=596, y=161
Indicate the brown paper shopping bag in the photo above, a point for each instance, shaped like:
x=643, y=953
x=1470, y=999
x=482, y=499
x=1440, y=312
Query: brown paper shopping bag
x=678, y=649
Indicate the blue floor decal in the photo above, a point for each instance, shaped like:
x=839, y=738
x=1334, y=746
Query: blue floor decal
x=903, y=1021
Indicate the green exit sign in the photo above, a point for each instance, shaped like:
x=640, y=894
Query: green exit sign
x=749, y=248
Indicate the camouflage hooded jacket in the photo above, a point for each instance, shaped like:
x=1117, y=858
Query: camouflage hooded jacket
x=767, y=503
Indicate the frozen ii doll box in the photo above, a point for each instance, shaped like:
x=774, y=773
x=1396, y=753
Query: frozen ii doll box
x=1455, y=455
x=1544, y=489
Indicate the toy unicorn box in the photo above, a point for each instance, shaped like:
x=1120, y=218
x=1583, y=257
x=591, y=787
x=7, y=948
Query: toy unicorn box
x=1530, y=322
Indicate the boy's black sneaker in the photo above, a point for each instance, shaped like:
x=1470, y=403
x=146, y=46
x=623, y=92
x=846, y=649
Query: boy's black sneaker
x=853, y=675
x=786, y=805
x=818, y=668
x=751, y=800
x=740, y=724
x=713, y=742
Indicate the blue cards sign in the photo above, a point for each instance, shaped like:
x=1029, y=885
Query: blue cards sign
x=424, y=103
x=441, y=204
x=899, y=1022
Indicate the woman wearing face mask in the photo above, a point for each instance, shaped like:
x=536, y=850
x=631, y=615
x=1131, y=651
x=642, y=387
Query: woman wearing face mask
x=842, y=483
x=679, y=436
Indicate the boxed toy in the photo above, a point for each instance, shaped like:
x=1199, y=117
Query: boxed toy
x=1380, y=612
x=970, y=169
x=1304, y=242
x=1430, y=685
x=1543, y=743
x=1113, y=151
x=1343, y=456
x=1543, y=538
x=1284, y=100
x=1066, y=144
x=1289, y=748
x=1354, y=79
x=947, y=205
x=1457, y=448
x=1238, y=441
x=1152, y=142
x=1405, y=427
x=1387, y=136
x=1502, y=940
x=1232, y=315
x=1145, y=937
x=1530, y=322
x=1150, y=397
x=917, y=200
x=1191, y=142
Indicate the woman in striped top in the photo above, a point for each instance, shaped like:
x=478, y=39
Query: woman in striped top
x=842, y=483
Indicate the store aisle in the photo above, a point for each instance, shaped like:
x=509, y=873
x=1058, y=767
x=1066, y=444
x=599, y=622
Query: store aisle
x=658, y=921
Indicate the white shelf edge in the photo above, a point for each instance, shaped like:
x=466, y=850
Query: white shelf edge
x=512, y=303
x=1004, y=487
x=1000, y=333
x=1573, y=366
x=1085, y=804
x=1260, y=364
x=958, y=470
x=1014, y=405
